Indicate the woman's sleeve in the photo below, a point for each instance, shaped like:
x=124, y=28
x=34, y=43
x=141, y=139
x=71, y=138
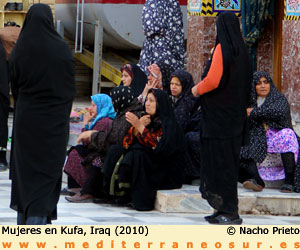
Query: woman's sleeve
x=270, y=113
x=128, y=139
x=214, y=75
x=149, y=140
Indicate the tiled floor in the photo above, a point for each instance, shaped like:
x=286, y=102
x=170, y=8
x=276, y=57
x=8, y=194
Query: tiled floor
x=90, y=213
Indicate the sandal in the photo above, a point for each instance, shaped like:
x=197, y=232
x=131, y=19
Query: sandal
x=65, y=191
x=80, y=198
x=252, y=185
x=224, y=220
x=213, y=215
x=287, y=188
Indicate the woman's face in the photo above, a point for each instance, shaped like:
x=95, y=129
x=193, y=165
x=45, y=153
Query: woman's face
x=263, y=87
x=93, y=109
x=152, y=77
x=175, y=87
x=150, y=104
x=126, y=78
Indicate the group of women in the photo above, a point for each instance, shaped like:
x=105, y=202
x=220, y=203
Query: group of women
x=152, y=132
x=143, y=149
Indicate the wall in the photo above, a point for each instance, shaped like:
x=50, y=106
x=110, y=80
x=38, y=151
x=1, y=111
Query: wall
x=201, y=39
x=265, y=48
x=291, y=66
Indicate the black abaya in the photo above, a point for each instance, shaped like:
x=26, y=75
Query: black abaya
x=223, y=128
x=42, y=70
x=147, y=169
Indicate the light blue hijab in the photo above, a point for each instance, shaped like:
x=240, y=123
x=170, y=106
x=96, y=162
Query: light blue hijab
x=104, y=108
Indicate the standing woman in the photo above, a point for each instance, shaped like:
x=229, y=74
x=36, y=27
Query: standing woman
x=224, y=97
x=164, y=36
x=42, y=69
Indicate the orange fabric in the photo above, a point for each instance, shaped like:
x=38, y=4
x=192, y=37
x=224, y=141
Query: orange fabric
x=214, y=75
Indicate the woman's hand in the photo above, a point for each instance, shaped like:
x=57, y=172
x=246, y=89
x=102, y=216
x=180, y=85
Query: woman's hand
x=249, y=110
x=135, y=121
x=145, y=120
x=87, y=117
x=149, y=85
x=86, y=135
x=194, y=91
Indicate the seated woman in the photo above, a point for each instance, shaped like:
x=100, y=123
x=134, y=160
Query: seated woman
x=99, y=118
x=158, y=77
x=122, y=101
x=154, y=155
x=133, y=77
x=272, y=138
x=188, y=115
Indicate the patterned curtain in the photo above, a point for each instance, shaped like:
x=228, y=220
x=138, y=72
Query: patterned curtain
x=254, y=16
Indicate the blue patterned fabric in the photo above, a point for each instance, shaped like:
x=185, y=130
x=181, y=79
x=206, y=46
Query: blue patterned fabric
x=104, y=108
x=164, y=35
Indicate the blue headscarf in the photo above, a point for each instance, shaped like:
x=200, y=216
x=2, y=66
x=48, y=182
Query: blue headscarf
x=104, y=108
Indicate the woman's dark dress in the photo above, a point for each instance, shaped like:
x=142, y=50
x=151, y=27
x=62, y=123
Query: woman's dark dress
x=223, y=128
x=42, y=70
x=148, y=169
x=188, y=114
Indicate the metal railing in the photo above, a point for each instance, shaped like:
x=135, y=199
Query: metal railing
x=79, y=20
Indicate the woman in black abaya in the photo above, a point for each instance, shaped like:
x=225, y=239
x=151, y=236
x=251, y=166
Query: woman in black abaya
x=154, y=153
x=224, y=93
x=42, y=70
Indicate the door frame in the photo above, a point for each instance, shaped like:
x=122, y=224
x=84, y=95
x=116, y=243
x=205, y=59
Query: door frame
x=277, y=56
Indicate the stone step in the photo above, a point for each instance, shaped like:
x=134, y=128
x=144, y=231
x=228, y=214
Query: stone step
x=188, y=200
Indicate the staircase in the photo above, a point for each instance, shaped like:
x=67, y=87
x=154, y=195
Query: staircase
x=110, y=68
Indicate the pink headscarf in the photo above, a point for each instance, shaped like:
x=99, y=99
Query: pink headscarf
x=154, y=70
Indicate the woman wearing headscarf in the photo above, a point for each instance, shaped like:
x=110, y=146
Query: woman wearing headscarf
x=99, y=117
x=42, y=78
x=133, y=77
x=164, y=36
x=274, y=146
x=158, y=77
x=154, y=153
x=224, y=95
x=188, y=115
x=105, y=144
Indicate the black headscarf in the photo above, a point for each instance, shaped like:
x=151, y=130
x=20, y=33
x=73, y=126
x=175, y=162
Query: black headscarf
x=224, y=109
x=166, y=71
x=121, y=96
x=139, y=80
x=172, y=140
x=186, y=81
x=39, y=42
x=275, y=109
x=186, y=104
